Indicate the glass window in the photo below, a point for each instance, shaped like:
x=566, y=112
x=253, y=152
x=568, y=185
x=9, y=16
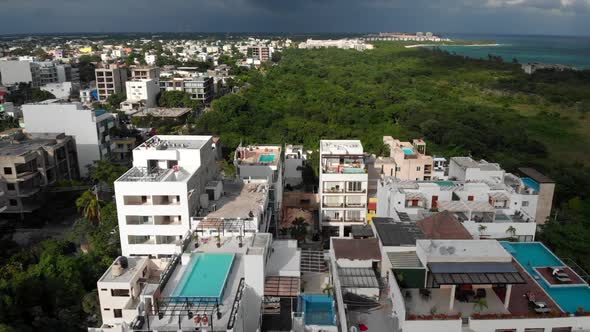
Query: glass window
x=355, y=186
x=7, y=170
x=118, y=313
x=525, y=203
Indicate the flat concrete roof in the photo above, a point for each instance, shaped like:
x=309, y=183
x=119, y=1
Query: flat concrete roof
x=463, y=251
x=128, y=273
x=162, y=112
x=340, y=147
x=239, y=200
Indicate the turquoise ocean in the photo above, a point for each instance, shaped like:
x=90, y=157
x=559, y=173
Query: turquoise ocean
x=565, y=50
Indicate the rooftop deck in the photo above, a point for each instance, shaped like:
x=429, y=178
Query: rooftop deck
x=253, y=155
x=165, y=142
x=239, y=200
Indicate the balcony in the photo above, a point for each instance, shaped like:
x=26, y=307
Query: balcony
x=355, y=220
x=332, y=205
x=355, y=205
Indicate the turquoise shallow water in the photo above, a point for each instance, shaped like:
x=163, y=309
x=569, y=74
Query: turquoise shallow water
x=566, y=50
x=205, y=276
x=531, y=255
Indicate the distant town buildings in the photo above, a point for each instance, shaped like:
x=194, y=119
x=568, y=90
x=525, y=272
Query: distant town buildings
x=400, y=36
x=347, y=44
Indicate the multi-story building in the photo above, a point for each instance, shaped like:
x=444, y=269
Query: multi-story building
x=90, y=128
x=262, y=53
x=15, y=71
x=488, y=201
x=141, y=93
x=198, y=87
x=347, y=44
x=343, y=185
x=158, y=196
x=122, y=150
x=411, y=160
x=67, y=73
x=295, y=158
x=31, y=162
x=61, y=91
x=145, y=73
x=263, y=162
x=109, y=81
x=47, y=72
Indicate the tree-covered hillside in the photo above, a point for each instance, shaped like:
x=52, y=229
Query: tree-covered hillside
x=487, y=109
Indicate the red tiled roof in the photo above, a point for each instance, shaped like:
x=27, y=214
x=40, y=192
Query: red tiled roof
x=443, y=226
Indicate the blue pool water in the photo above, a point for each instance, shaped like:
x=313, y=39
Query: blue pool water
x=205, y=276
x=408, y=151
x=535, y=254
x=99, y=112
x=317, y=309
x=267, y=158
x=531, y=183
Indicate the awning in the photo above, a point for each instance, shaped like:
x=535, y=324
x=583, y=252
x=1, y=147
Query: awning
x=404, y=259
x=357, y=278
x=281, y=286
x=473, y=274
x=410, y=196
x=499, y=196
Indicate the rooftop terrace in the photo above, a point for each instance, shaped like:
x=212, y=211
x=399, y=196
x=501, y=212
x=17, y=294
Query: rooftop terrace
x=172, y=142
x=263, y=155
x=239, y=200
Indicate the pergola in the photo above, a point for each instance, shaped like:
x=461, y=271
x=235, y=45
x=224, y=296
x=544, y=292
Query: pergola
x=469, y=208
x=499, y=197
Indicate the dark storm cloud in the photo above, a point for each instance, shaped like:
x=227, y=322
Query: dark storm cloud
x=478, y=16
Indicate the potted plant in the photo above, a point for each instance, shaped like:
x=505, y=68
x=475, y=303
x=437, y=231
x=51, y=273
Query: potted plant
x=512, y=231
x=480, y=304
x=218, y=238
x=240, y=243
x=196, y=239
x=482, y=229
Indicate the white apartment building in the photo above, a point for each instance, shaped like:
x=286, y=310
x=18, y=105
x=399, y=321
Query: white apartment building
x=90, y=128
x=198, y=87
x=295, y=158
x=141, y=93
x=488, y=201
x=347, y=44
x=343, y=185
x=109, y=81
x=19, y=71
x=150, y=59
x=158, y=196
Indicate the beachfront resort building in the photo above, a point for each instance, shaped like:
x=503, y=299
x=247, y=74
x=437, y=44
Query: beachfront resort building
x=157, y=197
x=490, y=202
x=343, y=185
x=90, y=128
x=346, y=44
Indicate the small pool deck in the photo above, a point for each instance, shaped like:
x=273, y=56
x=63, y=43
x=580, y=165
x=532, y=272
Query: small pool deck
x=519, y=304
x=545, y=272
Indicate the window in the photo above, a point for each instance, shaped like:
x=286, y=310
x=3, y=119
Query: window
x=13, y=202
x=107, y=309
x=118, y=313
x=120, y=292
x=534, y=330
x=525, y=203
x=418, y=168
x=7, y=170
x=470, y=198
x=103, y=289
x=561, y=329
x=398, y=169
x=10, y=186
x=355, y=186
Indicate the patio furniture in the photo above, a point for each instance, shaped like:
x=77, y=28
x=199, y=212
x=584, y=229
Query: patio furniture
x=562, y=279
x=481, y=293
x=555, y=271
x=541, y=307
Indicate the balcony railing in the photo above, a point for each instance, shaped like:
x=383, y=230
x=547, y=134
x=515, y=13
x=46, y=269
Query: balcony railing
x=355, y=205
x=362, y=191
x=355, y=220
x=333, y=190
x=332, y=205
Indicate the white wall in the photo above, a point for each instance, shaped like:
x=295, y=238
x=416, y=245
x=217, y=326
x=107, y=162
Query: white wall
x=71, y=119
x=492, y=325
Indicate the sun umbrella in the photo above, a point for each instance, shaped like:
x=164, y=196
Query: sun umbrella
x=363, y=327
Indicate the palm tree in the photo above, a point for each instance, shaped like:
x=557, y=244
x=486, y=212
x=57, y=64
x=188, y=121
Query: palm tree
x=299, y=228
x=89, y=205
x=511, y=230
x=482, y=229
x=480, y=304
x=328, y=289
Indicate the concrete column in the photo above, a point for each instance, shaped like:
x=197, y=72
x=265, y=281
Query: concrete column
x=507, y=298
x=452, y=300
x=340, y=230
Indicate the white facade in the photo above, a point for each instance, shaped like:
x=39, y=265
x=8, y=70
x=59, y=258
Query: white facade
x=90, y=128
x=157, y=197
x=143, y=91
x=487, y=207
x=15, y=71
x=343, y=184
x=59, y=90
x=150, y=59
x=295, y=158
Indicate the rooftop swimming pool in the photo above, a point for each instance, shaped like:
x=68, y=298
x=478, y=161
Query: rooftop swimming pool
x=535, y=254
x=317, y=309
x=531, y=183
x=267, y=158
x=408, y=150
x=205, y=276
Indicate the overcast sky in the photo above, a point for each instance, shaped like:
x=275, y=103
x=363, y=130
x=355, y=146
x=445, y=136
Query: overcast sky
x=558, y=17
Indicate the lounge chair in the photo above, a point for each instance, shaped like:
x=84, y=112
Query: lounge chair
x=541, y=307
x=558, y=272
x=562, y=279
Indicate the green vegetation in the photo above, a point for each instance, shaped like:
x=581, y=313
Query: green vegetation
x=115, y=100
x=177, y=99
x=484, y=108
x=26, y=94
